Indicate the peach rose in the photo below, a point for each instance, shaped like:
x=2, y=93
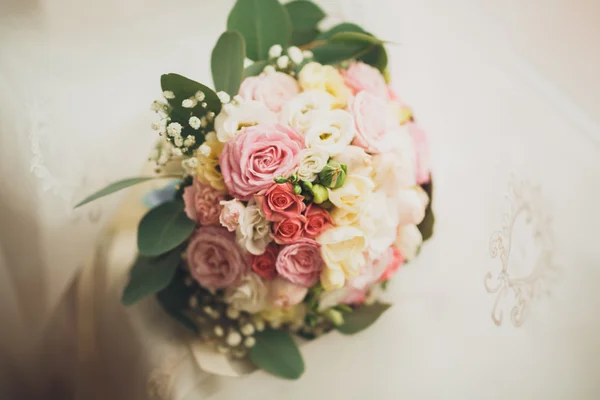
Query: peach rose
x=280, y=201
x=288, y=230
x=375, y=123
x=300, y=262
x=360, y=76
x=317, y=220
x=202, y=203
x=256, y=156
x=272, y=89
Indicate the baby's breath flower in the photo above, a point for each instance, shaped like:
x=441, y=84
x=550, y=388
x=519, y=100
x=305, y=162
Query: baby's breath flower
x=247, y=62
x=219, y=331
x=195, y=122
x=204, y=150
x=307, y=54
x=174, y=129
x=234, y=338
x=283, y=62
x=275, y=51
x=156, y=126
x=167, y=94
x=156, y=106
x=177, y=152
x=249, y=342
x=204, y=122
x=233, y=313
x=247, y=329
x=189, y=141
x=224, y=97
x=269, y=69
x=295, y=54
x=178, y=141
x=203, y=104
x=199, y=95
x=189, y=103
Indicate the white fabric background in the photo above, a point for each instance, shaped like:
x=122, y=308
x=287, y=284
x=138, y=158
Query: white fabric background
x=507, y=90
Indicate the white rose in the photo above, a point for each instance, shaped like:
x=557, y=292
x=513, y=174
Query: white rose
x=379, y=222
x=342, y=250
x=331, y=131
x=254, y=231
x=409, y=241
x=231, y=214
x=411, y=204
x=312, y=161
x=250, y=295
x=395, y=170
x=293, y=113
x=356, y=159
x=234, y=117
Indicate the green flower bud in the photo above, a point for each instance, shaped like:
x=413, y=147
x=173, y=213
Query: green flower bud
x=328, y=205
x=293, y=178
x=333, y=175
x=320, y=193
x=297, y=189
x=306, y=185
x=387, y=76
x=335, y=316
x=280, y=179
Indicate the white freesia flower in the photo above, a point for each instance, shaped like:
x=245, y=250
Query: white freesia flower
x=395, y=170
x=253, y=231
x=312, y=161
x=234, y=117
x=342, y=250
x=409, y=241
x=357, y=160
x=379, y=222
x=331, y=131
x=250, y=295
x=411, y=204
x=354, y=193
x=294, y=111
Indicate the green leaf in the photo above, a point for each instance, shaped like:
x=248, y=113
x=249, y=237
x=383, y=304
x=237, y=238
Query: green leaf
x=149, y=275
x=277, y=353
x=164, y=228
x=115, y=187
x=174, y=299
x=426, y=226
x=255, y=69
x=262, y=23
x=300, y=38
x=362, y=318
x=227, y=62
x=355, y=37
x=305, y=16
x=184, y=88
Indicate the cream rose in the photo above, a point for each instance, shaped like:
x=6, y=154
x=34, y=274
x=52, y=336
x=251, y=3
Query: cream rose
x=342, y=250
x=379, y=222
x=294, y=111
x=312, y=161
x=411, y=204
x=330, y=131
x=253, y=232
x=357, y=161
x=395, y=170
x=409, y=240
x=315, y=76
x=354, y=194
x=234, y=117
x=250, y=295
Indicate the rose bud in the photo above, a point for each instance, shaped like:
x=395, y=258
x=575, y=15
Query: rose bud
x=333, y=175
x=320, y=193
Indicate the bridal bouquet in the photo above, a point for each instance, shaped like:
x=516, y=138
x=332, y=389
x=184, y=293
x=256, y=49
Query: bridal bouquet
x=301, y=186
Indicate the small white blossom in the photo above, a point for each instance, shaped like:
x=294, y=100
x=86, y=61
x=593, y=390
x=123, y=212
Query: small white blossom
x=188, y=103
x=167, y=94
x=269, y=69
x=247, y=62
x=203, y=104
x=275, y=51
x=295, y=54
x=156, y=106
x=283, y=62
x=307, y=54
x=204, y=122
x=219, y=331
x=249, y=342
x=174, y=129
x=178, y=141
x=199, y=95
x=177, y=152
x=204, y=150
x=189, y=141
x=234, y=339
x=224, y=97
x=260, y=325
x=247, y=330
x=233, y=313
x=156, y=126
x=195, y=122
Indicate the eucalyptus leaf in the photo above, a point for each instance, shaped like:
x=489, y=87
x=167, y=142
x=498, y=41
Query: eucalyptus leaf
x=362, y=318
x=355, y=37
x=256, y=68
x=149, y=275
x=163, y=228
x=426, y=226
x=115, y=187
x=227, y=62
x=185, y=88
x=305, y=17
x=277, y=353
x=262, y=23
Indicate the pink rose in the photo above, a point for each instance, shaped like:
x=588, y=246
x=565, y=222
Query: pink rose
x=301, y=262
x=355, y=297
x=284, y=294
x=257, y=155
x=317, y=220
x=273, y=90
x=373, y=271
x=375, y=123
x=421, y=144
x=360, y=76
x=394, y=263
x=264, y=264
x=280, y=201
x=202, y=203
x=231, y=213
x=214, y=259
x=288, y=230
